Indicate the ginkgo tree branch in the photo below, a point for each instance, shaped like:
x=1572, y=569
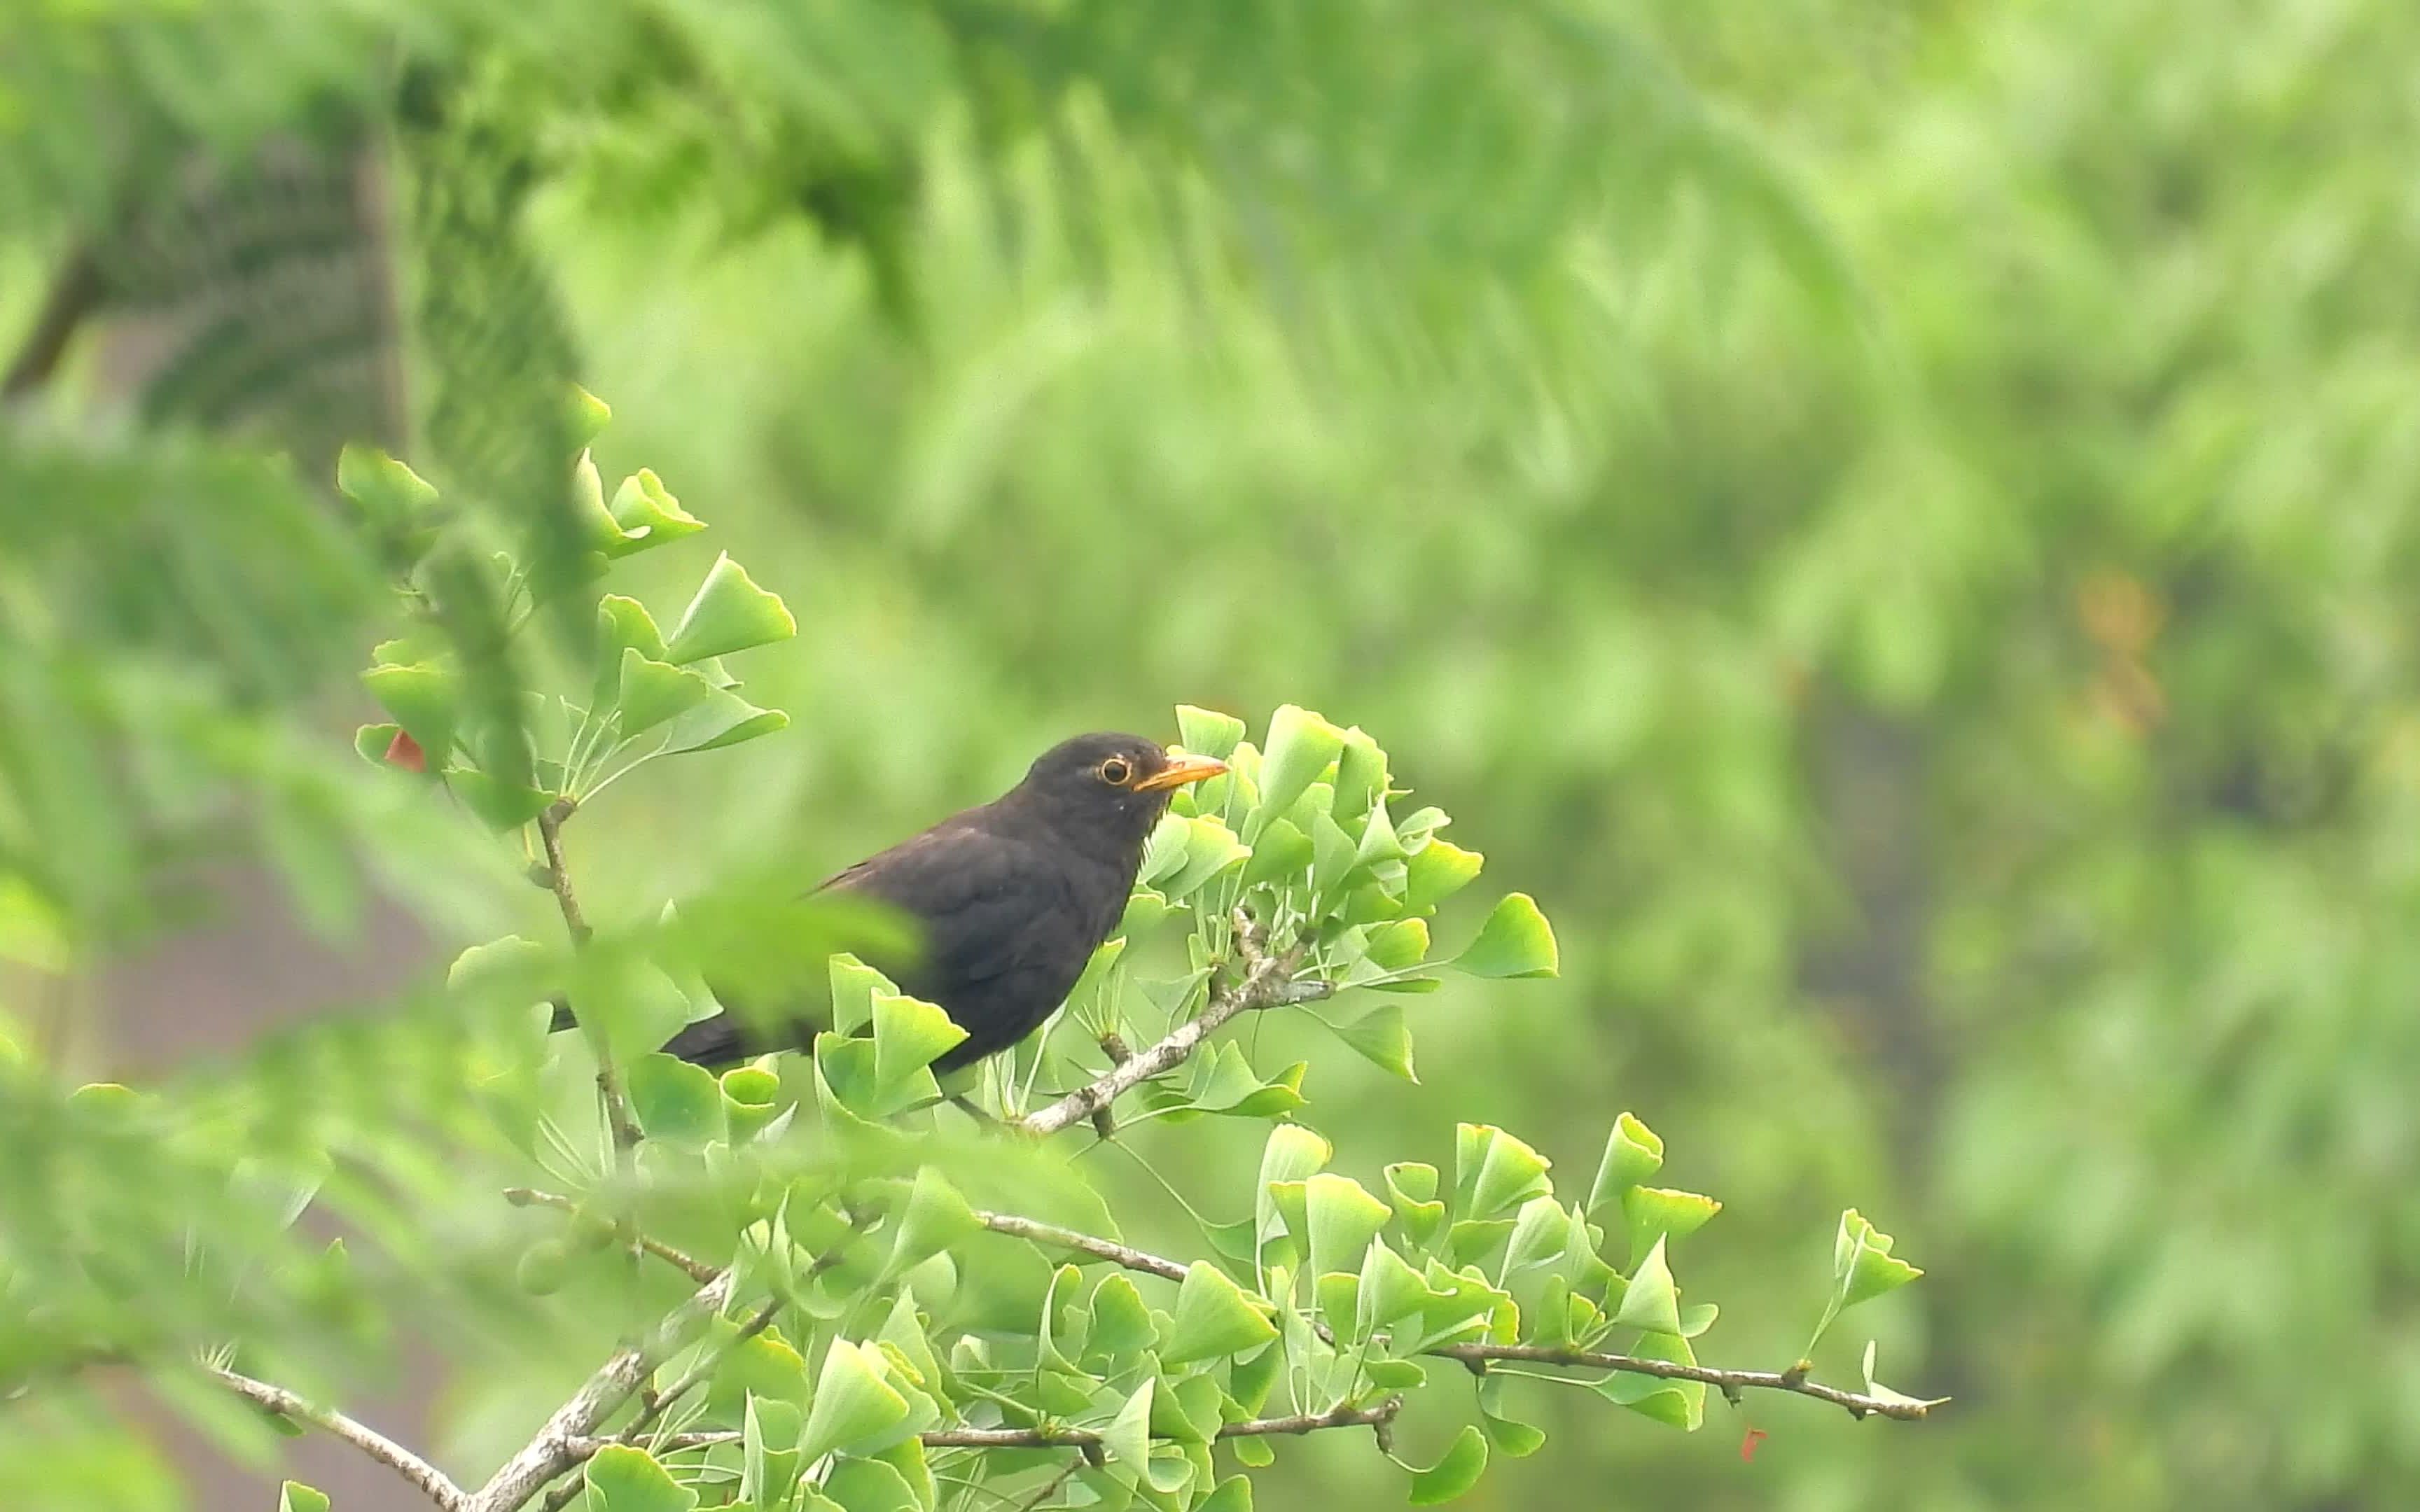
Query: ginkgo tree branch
x=1268, y=982
x=1054, y=1437
x=575, y=922
x=548, y=1455
x=1478, y=1356
x=431, y=1481
x=696, y=1269
x=1051, y=1235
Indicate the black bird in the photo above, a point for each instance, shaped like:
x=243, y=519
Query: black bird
x=1010, y=899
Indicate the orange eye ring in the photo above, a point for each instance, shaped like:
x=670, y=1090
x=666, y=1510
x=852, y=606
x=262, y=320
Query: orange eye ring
x=1116, y=772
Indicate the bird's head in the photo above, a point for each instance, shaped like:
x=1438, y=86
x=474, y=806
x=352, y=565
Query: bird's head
x=1109, y=787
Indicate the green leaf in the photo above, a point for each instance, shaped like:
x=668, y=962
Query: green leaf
x=1494, y=1171
x=296, y=1497
x=511, y=960
x=585, y=415
x=1698, y=1318
x=1343, y=1219
x=1436, y=871
x=1515, y=942
x=1391, y=1288
x=1509, y=1436
x=720, y=719
x=1097, y=968
x=1120, y=1323
x=1862, y=1263
x=1361, y=778
x=425, y=698
x=1680, y=1404
x=936, y=1218
x=1186, y=1409
x=751, y=1098
x=1331, y=856
x=634, y=1005
x=1651, y=1302
x=764, y=1366
x=1145, y=909
x=623, y=624
x=1128, y=1438
x=1863, y=1268
x=729, y=613
x=1457, y=1473
x=1654, y=1211
x=625, y=1479
x=500, y=805
x=373, y=741
x=852, y=1401
x=595, y=526
x=1541, y=1232
x=910, y=1034
x=854, y=987
x=654, y=691
x=1210, y=848
x=1382, y=1037
x=649, y=516
x=1399, y=945
x=1377, y=845
x=1207, y=732
x=392, y=492
x=1299, y=747
x=674, y=1100
x=769, y=1450
x=1254, y=1454
x=1214, y=1319
x=1291, y=1154
x=1632, y=1154
x=1225, y=1082
x=1876, y=1389
x=1235, y=1494
x=1411, y=1190
x=1281, y=854
x=871, y=1485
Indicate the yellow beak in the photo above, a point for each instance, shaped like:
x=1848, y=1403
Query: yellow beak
x=1181, y=771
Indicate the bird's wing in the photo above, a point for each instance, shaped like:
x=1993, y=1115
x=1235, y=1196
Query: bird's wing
x=972, y=891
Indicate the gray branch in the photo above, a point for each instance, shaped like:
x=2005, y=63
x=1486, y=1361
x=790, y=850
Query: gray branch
x=431, y=1481
x=1337, y=1417
x=1477, y=1356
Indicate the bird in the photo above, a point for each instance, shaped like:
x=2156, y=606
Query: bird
x=1009, y=898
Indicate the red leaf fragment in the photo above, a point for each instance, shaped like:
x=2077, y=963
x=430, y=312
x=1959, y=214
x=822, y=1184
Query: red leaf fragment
x=405, y=752
x=1747, y=1444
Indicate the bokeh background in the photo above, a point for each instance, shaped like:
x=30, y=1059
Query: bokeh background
x=1895, y=522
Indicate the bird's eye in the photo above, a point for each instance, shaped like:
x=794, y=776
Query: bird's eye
x=1115, y=771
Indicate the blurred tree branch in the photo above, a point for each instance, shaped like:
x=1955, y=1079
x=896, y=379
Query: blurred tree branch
x=439, y=1488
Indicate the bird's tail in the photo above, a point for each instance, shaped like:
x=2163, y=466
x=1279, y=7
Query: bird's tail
x=711, y=1043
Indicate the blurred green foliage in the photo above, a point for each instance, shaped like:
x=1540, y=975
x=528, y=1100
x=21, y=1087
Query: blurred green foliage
x=1894, y=523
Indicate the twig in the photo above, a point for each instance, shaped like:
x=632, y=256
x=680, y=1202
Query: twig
x=1051, y=1234
x=1050, y=1488
x=695, y=1269
x=654, y=1406
x=558, y=881
x=431, y=1481
x=1476, y=1356
x=1267, y=982
x=550, y=1454
x=1730, y=1383
x=558, y=876
x=1337, y=1417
